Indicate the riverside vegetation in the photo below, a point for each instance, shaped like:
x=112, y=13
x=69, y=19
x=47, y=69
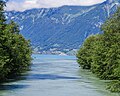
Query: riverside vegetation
x=101, y=53
x=15, y=51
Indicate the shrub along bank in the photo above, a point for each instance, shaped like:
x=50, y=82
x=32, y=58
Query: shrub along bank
x=101, y=53
x=15, y=51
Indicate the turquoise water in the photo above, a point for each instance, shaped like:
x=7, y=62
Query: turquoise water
x=53, y=75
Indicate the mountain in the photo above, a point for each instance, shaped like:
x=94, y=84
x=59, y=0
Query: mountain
x=62, y=30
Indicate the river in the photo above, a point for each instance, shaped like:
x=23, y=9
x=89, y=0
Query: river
x=53, y=75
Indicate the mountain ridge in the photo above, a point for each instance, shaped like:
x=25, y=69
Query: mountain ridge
x=56, y=30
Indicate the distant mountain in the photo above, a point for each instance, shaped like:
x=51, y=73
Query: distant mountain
x=63, y=29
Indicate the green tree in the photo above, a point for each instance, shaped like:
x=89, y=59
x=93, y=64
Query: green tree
x=15, y=51
x=101, y=53
x=111, y=34
x=85, y=53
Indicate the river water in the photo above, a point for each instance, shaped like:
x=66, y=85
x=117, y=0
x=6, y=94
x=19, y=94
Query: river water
x=53, y=75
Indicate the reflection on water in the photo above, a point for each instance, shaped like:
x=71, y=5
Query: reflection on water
x=97, y=84
x=52, y=75
x=12, y=87
x=48, y=76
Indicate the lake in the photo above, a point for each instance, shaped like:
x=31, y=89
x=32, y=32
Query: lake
x=53, y=75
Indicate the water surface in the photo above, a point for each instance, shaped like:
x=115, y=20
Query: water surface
x=53, y=75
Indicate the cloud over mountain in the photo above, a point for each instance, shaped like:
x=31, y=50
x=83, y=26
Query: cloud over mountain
x=29, y=4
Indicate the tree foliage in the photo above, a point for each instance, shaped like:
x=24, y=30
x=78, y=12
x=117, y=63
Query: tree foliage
x=101, y=53
x=15, y=51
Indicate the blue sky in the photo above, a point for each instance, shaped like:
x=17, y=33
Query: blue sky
x=21, y=5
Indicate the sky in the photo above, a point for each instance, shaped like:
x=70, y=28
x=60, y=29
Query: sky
x=22, y=5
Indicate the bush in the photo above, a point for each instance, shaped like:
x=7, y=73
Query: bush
x=15, y=51
x=101, y=53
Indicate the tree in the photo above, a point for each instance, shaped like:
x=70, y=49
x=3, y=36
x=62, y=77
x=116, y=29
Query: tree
x=85, y=53
x=101, y=53
x=15, y=51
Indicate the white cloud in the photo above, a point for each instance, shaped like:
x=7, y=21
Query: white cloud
x=28, y=4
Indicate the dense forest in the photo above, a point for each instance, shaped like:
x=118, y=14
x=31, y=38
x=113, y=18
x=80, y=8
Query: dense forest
x=101, y=53
x=15, y=51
